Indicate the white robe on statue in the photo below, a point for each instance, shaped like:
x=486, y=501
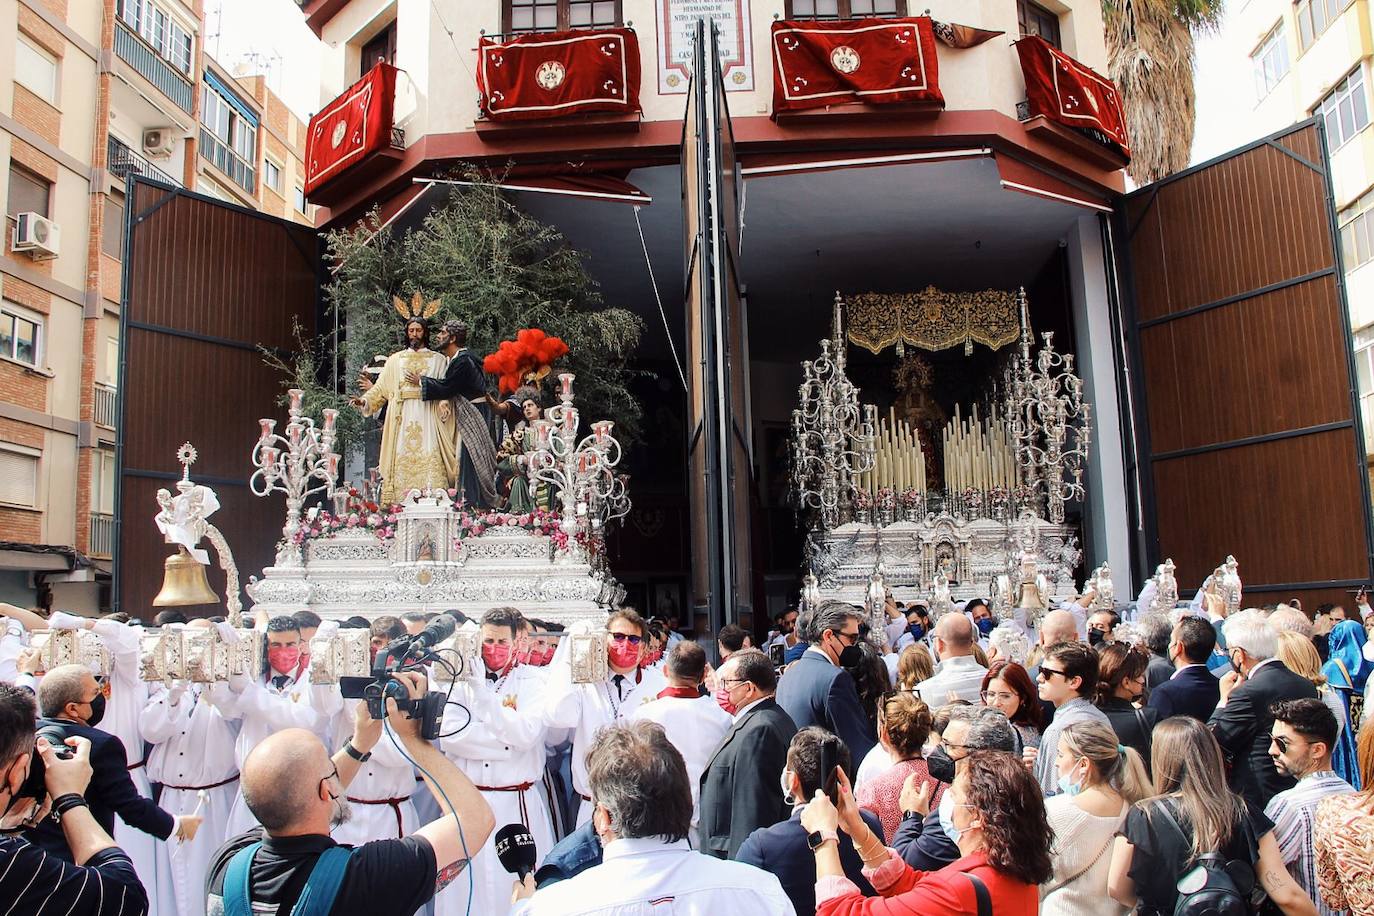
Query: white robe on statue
x=193, y=749
x=379, y=795
x=502, y=747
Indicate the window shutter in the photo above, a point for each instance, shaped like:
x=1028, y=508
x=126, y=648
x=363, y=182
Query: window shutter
x=18, y=478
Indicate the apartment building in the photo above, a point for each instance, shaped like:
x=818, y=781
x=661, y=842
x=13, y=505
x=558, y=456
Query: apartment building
x=1312, y=58
x=94, y=93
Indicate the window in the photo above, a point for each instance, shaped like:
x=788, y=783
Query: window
x=28, y=191
x=381, y=46
x=103, y=482
x=229, y=134
x=112, y=226
x=557, y=15
x=1271, y=62
x=215, y=113
x=19, y=475
x=845, y=9
x=1344, y=109
x=1314, y=16
x=271, y=174
x=36, y=70
x=160, y=29
x=245, y=139
x=1357, y=231
x=1034, y=19
x=112, y=361
x=20, y=330
x=300, y=199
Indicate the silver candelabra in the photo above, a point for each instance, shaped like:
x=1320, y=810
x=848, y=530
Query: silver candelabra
x=833, y=435
x=1050, y=422
x=299, y=464
x=581, y=471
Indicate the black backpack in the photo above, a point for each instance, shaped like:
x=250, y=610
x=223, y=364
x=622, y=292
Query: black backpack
x=1214, y=886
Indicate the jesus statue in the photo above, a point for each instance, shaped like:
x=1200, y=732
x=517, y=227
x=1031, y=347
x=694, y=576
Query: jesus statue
x=417, y=440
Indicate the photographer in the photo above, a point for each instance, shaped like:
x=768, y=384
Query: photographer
x=102, y=883
x=293, y=847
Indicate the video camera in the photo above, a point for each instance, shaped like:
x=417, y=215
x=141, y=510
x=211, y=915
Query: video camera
x=405, y=654
x=35, y=784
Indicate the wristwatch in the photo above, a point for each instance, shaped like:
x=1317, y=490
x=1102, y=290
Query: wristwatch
x=818, y=838
x=356, y=754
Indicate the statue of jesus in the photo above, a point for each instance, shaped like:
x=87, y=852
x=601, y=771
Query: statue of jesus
x=417, y=441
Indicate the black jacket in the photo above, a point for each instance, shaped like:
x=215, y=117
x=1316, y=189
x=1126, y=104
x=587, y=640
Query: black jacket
x=815, y=692
x=111, y=792
x=1242, y=729
x=1133, y=726
x=782, y=850
x=1192, y=691
x=740, y=787
x=922, y=843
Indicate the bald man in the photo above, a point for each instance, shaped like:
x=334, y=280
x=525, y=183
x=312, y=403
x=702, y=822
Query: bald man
x=958, y=675
x=297, y=813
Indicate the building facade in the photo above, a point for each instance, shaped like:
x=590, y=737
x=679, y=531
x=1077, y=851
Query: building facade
x=93, y=94
x=1312, y=59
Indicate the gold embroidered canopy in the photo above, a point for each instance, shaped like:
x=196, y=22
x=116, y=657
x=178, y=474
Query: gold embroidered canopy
x=933, y=319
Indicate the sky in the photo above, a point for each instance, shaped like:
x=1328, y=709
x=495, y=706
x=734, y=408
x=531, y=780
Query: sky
x=268, y=36
x=1225, y=95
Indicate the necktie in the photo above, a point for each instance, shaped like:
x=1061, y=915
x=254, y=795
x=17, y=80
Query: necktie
x=491, y=676
x=280, y=681
x=619, y=681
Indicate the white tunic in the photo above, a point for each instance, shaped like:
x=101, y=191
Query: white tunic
x=695, y=726
x=503, y=746
x=262, y=710
x=379, y=795
x=588, y=708
x=193, y=749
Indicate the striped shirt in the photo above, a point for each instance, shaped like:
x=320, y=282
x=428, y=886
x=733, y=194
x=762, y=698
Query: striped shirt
x=1293, y=812
x=36, y=884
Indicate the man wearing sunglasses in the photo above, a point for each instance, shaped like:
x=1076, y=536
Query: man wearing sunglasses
x=1067, y=678
x=588, y=708
x=816, y=689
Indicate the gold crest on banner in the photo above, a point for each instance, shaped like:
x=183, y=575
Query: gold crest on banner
x=933, y=319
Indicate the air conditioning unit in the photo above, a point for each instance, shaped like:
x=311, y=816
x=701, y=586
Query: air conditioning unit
x=158, y=141
x=37, y=235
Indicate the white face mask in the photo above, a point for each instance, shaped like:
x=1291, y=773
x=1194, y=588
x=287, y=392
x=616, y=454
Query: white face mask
x=786, y=782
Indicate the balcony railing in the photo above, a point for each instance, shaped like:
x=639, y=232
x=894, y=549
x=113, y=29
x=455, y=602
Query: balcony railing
x=123, y=162
x=105, y=397
x=102, y=535
x=137, y=54
x=227, y=161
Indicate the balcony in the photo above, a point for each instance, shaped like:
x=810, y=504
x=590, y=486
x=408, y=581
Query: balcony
x=102, y=535
x=136, y=53
x=105, y=405
x=123, y=162
x=227, y=161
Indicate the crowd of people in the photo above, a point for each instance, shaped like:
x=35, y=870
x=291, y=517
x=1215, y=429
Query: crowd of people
x=1060, y=762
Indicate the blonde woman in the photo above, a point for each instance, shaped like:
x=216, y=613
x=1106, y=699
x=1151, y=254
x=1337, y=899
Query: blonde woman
x=1299, y=656
x=1099, y=780
x=1193, y=814
x=914, y=665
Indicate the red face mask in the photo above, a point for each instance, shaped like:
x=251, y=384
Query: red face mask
x=495, y=657
x=723, y=701
x=623, y=655
x=542, y=657
x=284, y=659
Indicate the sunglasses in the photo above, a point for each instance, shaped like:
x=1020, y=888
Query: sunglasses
x=1046, y=673
x=630, y=637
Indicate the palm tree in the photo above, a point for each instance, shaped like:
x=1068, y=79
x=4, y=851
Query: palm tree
x=1150, y=56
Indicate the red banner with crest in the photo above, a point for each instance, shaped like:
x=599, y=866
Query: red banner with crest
x=553, y=74
x=877, y=61
x=1065, y=91
x=350, y=127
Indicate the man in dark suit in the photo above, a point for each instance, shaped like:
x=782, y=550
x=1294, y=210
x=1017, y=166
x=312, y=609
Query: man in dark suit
x=1242, y=720
x=1157, y=631
x=70, y=699
x=740, y=788
x=816, y=689
x=1193, y=690
x=782, y=848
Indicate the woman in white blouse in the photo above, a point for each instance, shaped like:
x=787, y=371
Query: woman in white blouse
x=1099, y=780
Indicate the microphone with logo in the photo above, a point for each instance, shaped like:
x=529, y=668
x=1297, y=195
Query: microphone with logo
x=515, y=849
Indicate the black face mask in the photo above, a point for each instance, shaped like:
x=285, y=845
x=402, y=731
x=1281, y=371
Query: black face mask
x=97, y=710
x=1095, y=637
x=851, y=656
x=940, y=765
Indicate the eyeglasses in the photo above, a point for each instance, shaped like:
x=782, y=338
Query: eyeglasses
x=630, y=637
x=332, y=775
x=850, y=639
x=949, y=746
x=990, y=695
x=1283, y=743
x=1046, y=673
x=732, y=683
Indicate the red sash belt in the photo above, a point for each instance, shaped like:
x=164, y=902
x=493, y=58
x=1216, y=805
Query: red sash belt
x=222, y=782
x=395, y=804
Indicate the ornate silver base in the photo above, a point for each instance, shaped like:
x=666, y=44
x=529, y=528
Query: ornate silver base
x=972, y=552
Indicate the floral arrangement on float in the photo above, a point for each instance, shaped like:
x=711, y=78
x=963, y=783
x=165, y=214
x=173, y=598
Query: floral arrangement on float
x=538, y=521
x=357, y=514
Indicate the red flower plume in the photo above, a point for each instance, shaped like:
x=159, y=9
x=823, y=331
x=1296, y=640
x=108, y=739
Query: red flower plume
x=532, y=352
